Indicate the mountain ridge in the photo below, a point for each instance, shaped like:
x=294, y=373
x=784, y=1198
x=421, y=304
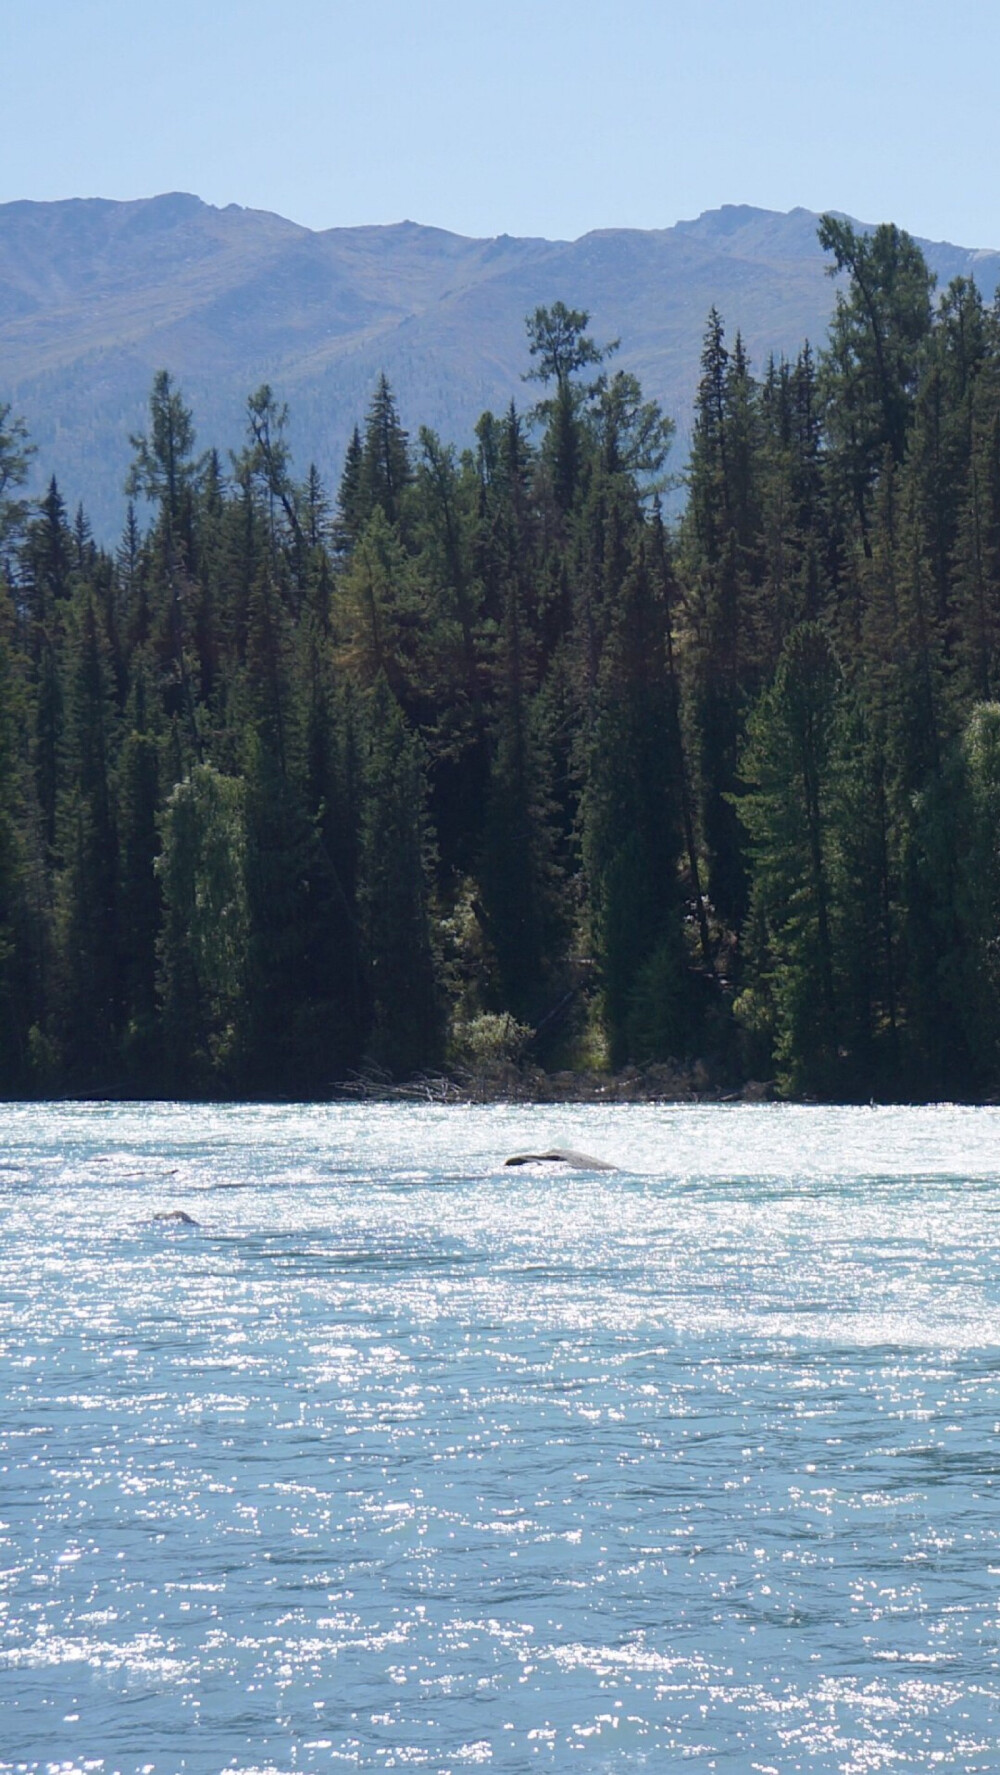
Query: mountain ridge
x=97, y=294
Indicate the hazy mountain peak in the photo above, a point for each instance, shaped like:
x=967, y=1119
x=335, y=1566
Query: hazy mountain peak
x=716, y=224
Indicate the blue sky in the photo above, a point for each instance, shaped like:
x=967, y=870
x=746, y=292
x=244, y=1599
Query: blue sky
x=527, y=118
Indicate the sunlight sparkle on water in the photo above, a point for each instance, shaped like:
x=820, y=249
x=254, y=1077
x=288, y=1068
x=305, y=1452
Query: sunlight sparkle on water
x=399, y=1459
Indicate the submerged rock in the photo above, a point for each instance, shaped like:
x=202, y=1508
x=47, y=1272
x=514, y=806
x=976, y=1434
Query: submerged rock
x=561, y=1155
x=177, y=1217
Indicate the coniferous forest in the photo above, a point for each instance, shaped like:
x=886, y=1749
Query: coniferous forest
x=476, y=757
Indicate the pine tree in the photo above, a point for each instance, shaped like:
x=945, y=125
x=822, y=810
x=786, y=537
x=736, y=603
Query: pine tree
x=163, y=469
x=294, y=1038
x=723, y=567
x=16, y=452
x=165, y=472
x=385, y=470
x=520, y=902
x=90, y=850
x=316, y=510
x=380, y=611
x=47, y=573
x=350, y=518
x=406, y=1020
x=19, y=996
x=866, y=889
x=787, y=764
x=47, y=561
x=205, y=930
x=266, y=462
x=881, y=325
x=974, y=984
x=632, y=821
x=139, y=890
x=332, y=792
x=558, y=338
x=975, y=566
x=454, y=650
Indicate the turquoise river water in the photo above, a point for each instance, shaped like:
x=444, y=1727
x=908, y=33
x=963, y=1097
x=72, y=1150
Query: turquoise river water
x=399, y=1459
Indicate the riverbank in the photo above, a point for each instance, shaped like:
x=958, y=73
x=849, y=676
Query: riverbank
x=506, y=1082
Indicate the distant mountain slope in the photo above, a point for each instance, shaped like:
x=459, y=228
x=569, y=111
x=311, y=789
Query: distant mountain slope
x=95, y=296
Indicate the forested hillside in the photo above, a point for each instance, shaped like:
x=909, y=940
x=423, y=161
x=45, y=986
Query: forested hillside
x=473, y=755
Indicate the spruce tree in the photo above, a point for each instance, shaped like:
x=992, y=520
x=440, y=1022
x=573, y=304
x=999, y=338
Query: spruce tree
x=350, y=515
x=139, y=889
x=788, y=766
x=19, y=996
x=202, y=979
x=89, y=845
x=871, y=367
x=632, y=832
x=558, y=338
x=406, y=1027
x=385, y=470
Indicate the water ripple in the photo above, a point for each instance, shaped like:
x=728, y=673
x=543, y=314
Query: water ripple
x=400, y=1458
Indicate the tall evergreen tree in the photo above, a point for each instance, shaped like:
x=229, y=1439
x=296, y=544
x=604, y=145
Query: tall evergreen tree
x=350, y=516
x=165, y=471
x=881, y=325
x=385, y=470
x=205, y=932
x=139, y=891
x=788, y=764
x=558, y=339
x=632, y=832
x=90, y=850
x=394, y=896
x=18, y=993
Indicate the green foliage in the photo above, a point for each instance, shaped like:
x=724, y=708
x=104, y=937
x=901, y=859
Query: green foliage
x=89, y=838
x=384, y=469
x=659, y=1021
x=872, y=367
x=634, y=435
x=162, y=470
x=406, y=1030
x=15, y=455
x=16, y=995
x=380, y=611
x=558, y=338
x=632, y=827
x=491, y=1037
x=973, y=962
x=295, y=1038
x=788, y=764
x=490, y=754
x=139, y=895
x=206, y=928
